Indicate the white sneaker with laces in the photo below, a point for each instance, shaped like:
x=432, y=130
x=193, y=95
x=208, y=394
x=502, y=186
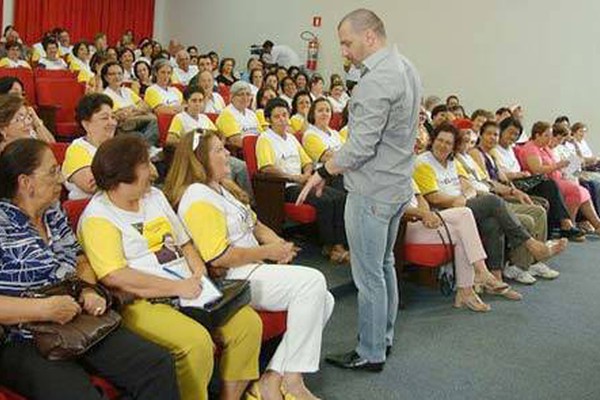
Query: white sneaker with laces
x=543, y=271
x=517, y=274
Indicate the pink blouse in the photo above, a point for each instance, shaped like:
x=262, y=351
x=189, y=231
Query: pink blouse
x=543, y=153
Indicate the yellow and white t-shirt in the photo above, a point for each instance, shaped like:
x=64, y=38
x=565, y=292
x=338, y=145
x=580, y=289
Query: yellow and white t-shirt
x=431, y=176
x=316, y=142
x=232, y=122
x=85, y=73
x=53, y=65
x=216, y=221
x=8, y=63
x=286, y=153
x=149, y=240
x=79, y=155
x=214, y=104
x=180, y=76
x=156, y=96
x=184, y=122
x=122, y=98
x=344, y=133
x=262, y=121
x=297, y=123
x=477, y=176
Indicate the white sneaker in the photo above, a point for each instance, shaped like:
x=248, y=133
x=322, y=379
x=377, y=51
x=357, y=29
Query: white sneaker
x=517, y=274
x=543, y=271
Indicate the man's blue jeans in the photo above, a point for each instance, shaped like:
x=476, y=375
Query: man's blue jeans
x=372, y=228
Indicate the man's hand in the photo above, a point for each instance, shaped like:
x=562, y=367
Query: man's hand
x=315, y=182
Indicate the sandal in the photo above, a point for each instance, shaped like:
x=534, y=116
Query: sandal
x=473, y=303
x=508, y=293
x=490, y=282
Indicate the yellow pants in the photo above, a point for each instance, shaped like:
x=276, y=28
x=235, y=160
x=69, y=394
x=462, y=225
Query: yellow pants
x=192, y=347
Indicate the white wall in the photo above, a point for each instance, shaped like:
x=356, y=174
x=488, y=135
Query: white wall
x=542, y=54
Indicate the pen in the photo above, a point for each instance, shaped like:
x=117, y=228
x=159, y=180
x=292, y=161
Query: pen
x=175, y=274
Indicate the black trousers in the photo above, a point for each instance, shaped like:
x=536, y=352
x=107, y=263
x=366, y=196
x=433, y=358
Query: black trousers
x=558, y=211
x=141, y=369
x=330, y=212
x=496, y=224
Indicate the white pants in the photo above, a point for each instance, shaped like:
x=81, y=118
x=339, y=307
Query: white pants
x=302, y=292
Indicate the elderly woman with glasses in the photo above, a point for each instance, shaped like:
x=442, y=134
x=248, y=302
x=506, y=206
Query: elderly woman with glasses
x=17, y=120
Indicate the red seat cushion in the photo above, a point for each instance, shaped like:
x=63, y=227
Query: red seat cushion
x=212, y=116
x=274, y=324
x=59, y=149
x=164, y=122
x=336, y=121
x=74, y=209
x=304, y=213
x=427, y=255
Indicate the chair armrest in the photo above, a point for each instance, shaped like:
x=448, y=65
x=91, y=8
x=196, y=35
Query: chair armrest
x=47, y=114
x=269, y=196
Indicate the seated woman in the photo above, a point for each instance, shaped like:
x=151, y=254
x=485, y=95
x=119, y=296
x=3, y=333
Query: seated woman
x=523, y=268
x=18, y=120
x=300, y=107
x=131, y=112
x=191, y=118
x=218, y=217
x=255, y=78
x=214, y=103
x=237, y=119
x=79, y=61
x=32, y=222
x=94, y=114
x=226, y=75
x=161, y=96
x=288, y=90
x=338, y=96
x=271, y=80
x=136, y=243
x=143, y=77
x=503, y=165
x=537, y=158
x=262, y=98
x=52, y=60
x=126, y=58
x=425, y=227
x=279, y=153
x=316, y=87
x=444, y=185
x=13, y=58
x=301, y=81
x=319, y=140
x=579, y=131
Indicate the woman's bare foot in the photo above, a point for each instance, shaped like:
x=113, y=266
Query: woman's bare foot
x=542, y=251
x=270, y=386
x=293, y=384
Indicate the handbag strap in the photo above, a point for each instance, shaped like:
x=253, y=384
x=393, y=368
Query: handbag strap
x=447, y=246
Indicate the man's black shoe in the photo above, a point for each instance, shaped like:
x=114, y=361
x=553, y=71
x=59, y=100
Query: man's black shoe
x=352, y=360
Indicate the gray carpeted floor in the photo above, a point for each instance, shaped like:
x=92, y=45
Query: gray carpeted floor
x=545, y=347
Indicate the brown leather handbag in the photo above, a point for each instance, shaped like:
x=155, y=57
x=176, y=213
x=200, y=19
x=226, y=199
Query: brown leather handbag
x=62, y=342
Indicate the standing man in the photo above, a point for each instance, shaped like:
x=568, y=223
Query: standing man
x=377, y=163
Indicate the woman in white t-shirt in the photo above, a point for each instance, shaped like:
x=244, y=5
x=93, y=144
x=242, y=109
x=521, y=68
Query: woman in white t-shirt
x=133, y=114
x=161, y=97
x=136, y=243
x=338, y=96
x=236, y=244
x=52, y=61
x=191, y=118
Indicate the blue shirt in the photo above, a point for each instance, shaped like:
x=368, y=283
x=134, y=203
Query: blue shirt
x=26, y=260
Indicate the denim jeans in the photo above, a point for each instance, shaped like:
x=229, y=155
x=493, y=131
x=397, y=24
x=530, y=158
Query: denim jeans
x=372, y=228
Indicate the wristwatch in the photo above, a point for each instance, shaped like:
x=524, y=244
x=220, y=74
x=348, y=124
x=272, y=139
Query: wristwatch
x=322, y=171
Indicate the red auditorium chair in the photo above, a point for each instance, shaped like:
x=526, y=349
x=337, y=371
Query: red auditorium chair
x=225, y=93
x=181, y=87
x=164, y=122
x=336, y=121
x=42, y=73
x=271, y=207
x=26, y=76
x=63, y=94
x=213, y=117
x=59, y=149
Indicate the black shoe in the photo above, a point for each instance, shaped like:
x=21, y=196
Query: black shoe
x=388, y=351
x=574, y=234
x=352, y=360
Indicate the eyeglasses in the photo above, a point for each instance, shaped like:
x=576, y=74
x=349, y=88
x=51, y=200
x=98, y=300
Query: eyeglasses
x=53, y=173
x=20, y=118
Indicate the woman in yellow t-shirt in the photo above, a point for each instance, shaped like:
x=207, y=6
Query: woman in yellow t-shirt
x=130, y=110
x=161, y=97
x=13, y=57
x=234, y=242
x=136, y=243
x=192, y=118
x=300, y=105
x=80, y=62
x=262, y=98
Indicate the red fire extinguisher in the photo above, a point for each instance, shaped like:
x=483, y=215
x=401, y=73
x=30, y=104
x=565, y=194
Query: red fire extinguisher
x=312, y=52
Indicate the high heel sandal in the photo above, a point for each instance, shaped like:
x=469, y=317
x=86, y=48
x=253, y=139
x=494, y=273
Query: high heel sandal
x=253, y=392
x=489, y=283
x=473, y=303
x=508, y=293
x=288, y=396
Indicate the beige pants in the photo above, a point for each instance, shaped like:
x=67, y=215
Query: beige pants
x=533, y=218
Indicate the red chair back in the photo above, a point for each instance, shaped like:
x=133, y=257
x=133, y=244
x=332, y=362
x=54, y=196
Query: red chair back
x=64, y=93
x=428, y=255
x=164, y=122
x=225, y=92
x=213, y=117
x=42, y=73
x=336, y=121
x=25, y=75
x=74, y=209
x=181, y=87
x=59, y=149
x=249, y=150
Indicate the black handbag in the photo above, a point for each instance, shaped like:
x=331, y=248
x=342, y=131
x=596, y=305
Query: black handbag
x=236, y=295
x=447, y=278
x=527, y=183
x=55, y=341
